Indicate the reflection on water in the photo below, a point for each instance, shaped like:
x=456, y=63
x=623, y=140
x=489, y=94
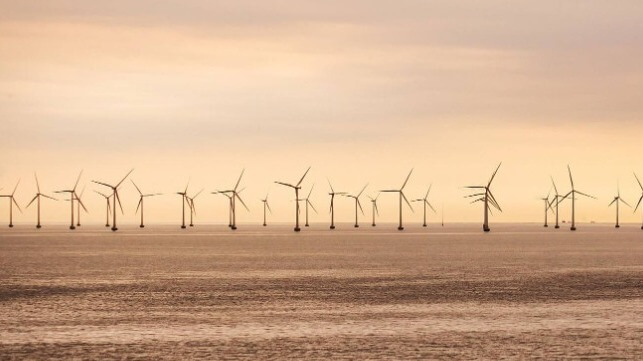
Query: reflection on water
x=374, y=294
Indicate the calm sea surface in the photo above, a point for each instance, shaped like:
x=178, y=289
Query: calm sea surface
x=520, y=291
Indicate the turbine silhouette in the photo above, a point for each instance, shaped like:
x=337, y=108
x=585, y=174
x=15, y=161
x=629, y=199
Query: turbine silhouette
x=116, y=197
x=557, y=198
x=374, y=207
x=140, y=201
x=332, y=195
x=640, y=199
x=487, y=198
x=12, y=201
x=37, y=200
x=108, y=209
x=266, y=205
x=402, y=196
x=192, y=206
x=296, y=187
x=73, y=196
x=425, y=202
x=357, y=203
x=618, y=200
x=183, y=201
x=234, y=196
x=547, y=207
x=573, y=193
x=309, y=203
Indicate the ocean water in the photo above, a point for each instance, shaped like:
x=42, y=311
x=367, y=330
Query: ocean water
x=521, y=291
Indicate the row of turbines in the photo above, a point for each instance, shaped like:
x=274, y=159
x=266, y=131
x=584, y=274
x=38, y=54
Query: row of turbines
x=481, y=193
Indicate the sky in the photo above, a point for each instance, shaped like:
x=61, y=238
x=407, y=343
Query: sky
x=361, y=91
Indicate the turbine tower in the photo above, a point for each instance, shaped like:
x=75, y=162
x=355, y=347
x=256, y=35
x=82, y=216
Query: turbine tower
x=296, y=187
x=79, y=198
x=265, y=206
x=640, y=199
x=374, y=207
x=183, y=200
x=618, y=200
x=573, y=193
x=233, y=196
x=487, y=198
x=73, y=196
x=108, y=209
x=12, y=201
x=557, y=199
x=229, y=206
x=37, y=198
x=192, y=206
x=309, y=203
x=140, y=201
x=117, y=199
x=425, y=202
x=357, y=203
x=402, y=196
x=547, y=207
x=332, y=195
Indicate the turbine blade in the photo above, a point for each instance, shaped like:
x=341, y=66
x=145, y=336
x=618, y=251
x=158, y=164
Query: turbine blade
x=46, y=196
x=268, y=206
x=78, y=179
x=241, y=200
x=430, y=206
x=16, y=203
x=359, y=204
x=638, y=204
x=428, y=191
x=239, y=180
x=34, y=198
x=312, y=206
x=624, y=202
x=285, y=184
x=407, y=202
x=585, y=194
x=15, y=188
x=199, y=192
x=97, y=182
x=118, y=199
x=493, y=199
x=135, y=186
x=389, y=191
x=311, y=191
x=302, y=177
x=612, y=202
x=494, y=175
x=79, y=201
x=123, y=180
x=140, y=200
x=330, y=185
x=554, y=184
x=362, y=191
x=37, y=183
x=571, y=180
x=377, y=211
x=406, y=180
x=637, y=179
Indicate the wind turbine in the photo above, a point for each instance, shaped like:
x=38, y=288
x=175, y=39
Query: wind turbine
x=425, y=202
x=234, y=195
x=296, y=187
x=357, y=203
x=374, y=207
x=573, y=194
x=192, y=206
x=108, y=207
x=140, y=201
x=73, y=196
x=332, y=195
x=309, y=203
x=229, y=206
x=640, y=199
x=265, y=206
x=402, y=196
x=618, y=200
x=557, y=198
x=183, y=200
x=37, y=197
x=547, y=207
x=486, y=197
x=79, y=198
x=117, y=199
x=12, y=201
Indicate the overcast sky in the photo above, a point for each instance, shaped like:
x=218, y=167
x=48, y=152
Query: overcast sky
x=360, y=90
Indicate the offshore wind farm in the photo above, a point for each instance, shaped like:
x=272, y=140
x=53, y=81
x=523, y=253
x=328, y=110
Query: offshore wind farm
x=355, y=180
